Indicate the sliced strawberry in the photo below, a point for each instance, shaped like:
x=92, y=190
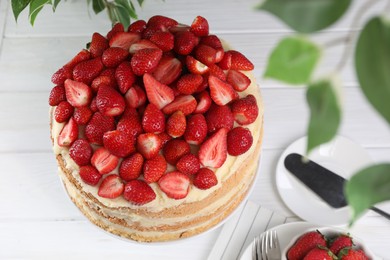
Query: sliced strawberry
x=176, y=124
x=119, y=143
x=238, y=80
x=99, y=43
x=82, y=115
x=138, y=192
x=154, y=168
x=131, y=167
x=90, y=175
x=124, y=40
x=184, y=103
x=221, y=92
x=68, y=134
x=212, y=41
x=175, y=185
x=81, y=152
x=97, y=126
x=205, y=179
x=174, y=149
x=219, y=55
x=167, y=70
x=164, y=137
x=87, y=70
x=135, y=97
x=102, y=81
x=63, y=112
x=216, y=71
x=200, y=26
x=213, y=151
x=185, y=42
x=226, y=61
x=117, y=28
x=61, y=75
x=219, y=117
x=142, y=44
x=57, y=94
x=124, y=76
x=204, y=102
x=205, y=54
x=78, y=94
x=137, y=26
x=162, y=20
x=245, y=110
x=196, y=130
x=110, y=102
x=239, y=140
x=130, y=124
x=153, y=120
x=239, y=61
x=145, y=61
x=158, y=94
x=195, y=66
x=164, y=40
x=113, y=56
x=111, y=187
x=189, y=83
x=104, y=161
x=148, y=145
x=188, y=164
x=179, y=28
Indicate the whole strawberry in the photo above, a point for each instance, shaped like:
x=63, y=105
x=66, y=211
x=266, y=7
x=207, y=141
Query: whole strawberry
x=239, y=140
x=349, y=253
x=304, y=244
x=339, y=243
x=319, y=253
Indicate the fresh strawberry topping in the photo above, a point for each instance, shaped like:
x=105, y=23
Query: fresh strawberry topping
x=102, y=80
x=98, y=45
x=188, y=164
x=124, y=76
x=158, y=94
x=154, y=168
x=97, y=126
x=204, y=102
x=304, y=244
x=110, y=102
x=119, y=143
x=239, y=140
x=196, y=130
x=226, y=61
x=142, y=44
x=213, y=151
x=245, y=110
x=200, y=26
x=81, y=152
x=135, y=97
x=238, y=80
x=63, y=112
x=176, y=124
x=163, y=40
x=153, y=120
x=189, y=83
x=111, y=187
x=175, y=184
x=138, y=192
x=130, y=124
x=117, y=28
x=137, y=26
x=149, y=145
x=185, y=42
x=174, y=149
x=145, y=61
x=183, y=103
x=195, y=66
x=77, y=93
x=87, y=70
x=82, y=115
x=124, y=40
x=90, y=175
x=205, y=179
x=216, y=71
x=205, y=54
x=68, y=134
x=57, y=94
x=212, y=41
x=221, y=92
x=131, y=167
x=168, y=70
x=104, y=161
x=113, y=56
x=239, y=61
x=219, y=117
x=164, y=137
x=159, y=20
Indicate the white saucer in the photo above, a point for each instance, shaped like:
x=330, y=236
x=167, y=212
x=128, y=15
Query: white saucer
x=341, y=156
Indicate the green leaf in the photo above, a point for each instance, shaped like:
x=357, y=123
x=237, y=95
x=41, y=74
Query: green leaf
x=18, y=6
x=35, y=7
x=306, y=16
x=140, y=2
x=372, y=63
x=55, y=4
x=293, y=60
x=98, y=6
x=368, y=187
x=133, y=13
x=325, y=112
x=122, y=10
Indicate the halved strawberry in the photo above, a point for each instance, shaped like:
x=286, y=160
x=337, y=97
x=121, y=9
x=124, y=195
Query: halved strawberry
x=185, y=42
x=137, y=26
x=102, y=81
x=154, y=168
x=164, y=40
x=104, y=161
x=205, y=179
x=164, y=137
x=196, y=130
x=63, y=112
x=57, y=94
x=205, y=54
x=131, y=167
x=81, y=152
x=89, y=175
x=221, y=92
x=239, y=140
x=119, y=143
x=204, y=85
x=124, y=76
x=87, y=70
x=109, y=101
x=117, y=28
x=219, y=117
x=239, y=61
x=152, y=29
x=83, y=55
x=113, y=56
x=200, y=26
x=184, y=103
x=195, y=66
x=109, y=72
x=82, y=115
x=77, y=94
x=212, y=41
x=219, y=55
x=138, y=192
x=216, y=71
x=226, y=61
x=124, y=40
x=167, y=70
x=245, y=110
x=111, y=187
x=175, y=184
x=145, y=61
x=174, y=149
x=213, y=151
x=158, y=94
x=188, y=164
x=98, y=44
x=130, y=124
x=68, y=134
x=153, y=120
x=148, y=145
x=176, y=124
x=204, y=102
x=135, y=97
x=238, y=80
x=97, y=126
x=189, y=83
x=142, y=44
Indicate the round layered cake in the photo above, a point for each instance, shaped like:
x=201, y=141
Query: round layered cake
x=157, y=129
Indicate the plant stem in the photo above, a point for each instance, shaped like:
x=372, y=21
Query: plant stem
x=335, y=42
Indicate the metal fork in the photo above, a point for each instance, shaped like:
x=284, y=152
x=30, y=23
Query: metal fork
x=255, y=249
x=270, y=248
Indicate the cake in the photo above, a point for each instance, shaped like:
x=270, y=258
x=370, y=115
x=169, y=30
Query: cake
x=157, y=129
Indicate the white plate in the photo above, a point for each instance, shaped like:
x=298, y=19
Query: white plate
x=341, y=156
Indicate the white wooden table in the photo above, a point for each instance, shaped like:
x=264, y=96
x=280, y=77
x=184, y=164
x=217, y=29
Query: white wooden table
x=37, y=220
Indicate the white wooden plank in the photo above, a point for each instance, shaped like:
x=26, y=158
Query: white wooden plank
x=3, y=16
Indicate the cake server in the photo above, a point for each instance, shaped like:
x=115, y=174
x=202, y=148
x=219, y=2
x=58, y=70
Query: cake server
x=326, y=184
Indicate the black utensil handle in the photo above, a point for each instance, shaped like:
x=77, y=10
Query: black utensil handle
x=381, y=212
